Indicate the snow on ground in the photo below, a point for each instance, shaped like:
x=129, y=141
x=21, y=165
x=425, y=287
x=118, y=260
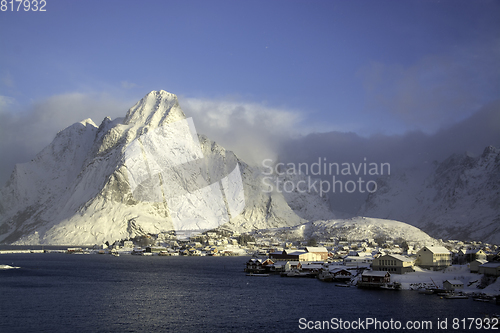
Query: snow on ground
x=493, y=289
x=422, y=278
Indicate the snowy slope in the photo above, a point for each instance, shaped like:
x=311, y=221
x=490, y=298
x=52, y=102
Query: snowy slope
x=354, y=229
x=458, y=198
x=84, y=187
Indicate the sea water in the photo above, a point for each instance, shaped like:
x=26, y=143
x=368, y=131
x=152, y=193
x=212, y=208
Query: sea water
x=101, y=293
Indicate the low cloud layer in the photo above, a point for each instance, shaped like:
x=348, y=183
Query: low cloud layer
x=412, y=150
x=254, y=131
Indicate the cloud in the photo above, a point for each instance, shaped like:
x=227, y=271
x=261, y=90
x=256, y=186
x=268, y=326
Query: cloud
x=253, y=131
x=414, y=150
x=5, y=103
x=127, y=85
x=26, y=132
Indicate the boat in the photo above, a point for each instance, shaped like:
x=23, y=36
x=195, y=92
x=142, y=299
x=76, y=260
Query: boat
x=342, y=285
x=479, y=299
x=258, y=274
x=391, y=286
x=115, y=254
x=456, y=296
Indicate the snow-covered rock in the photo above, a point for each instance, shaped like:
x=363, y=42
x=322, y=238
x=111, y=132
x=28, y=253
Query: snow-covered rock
x=458, y=198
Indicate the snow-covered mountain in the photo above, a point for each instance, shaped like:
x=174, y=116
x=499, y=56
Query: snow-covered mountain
x=97, y=183
x=458, y=198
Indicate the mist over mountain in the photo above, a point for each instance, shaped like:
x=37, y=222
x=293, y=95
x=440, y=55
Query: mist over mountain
x=458, y=198
x=412, y=150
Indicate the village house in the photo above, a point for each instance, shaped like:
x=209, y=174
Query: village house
x=276, y=267
x=320, y=252
x=292, y=265
x=433, y=257
x=453, y=285
x=374, y=279
x=469, y=255
x=128, y=244
x=474, y=266
x=393, y=263
x=361, y=260
x=255, y=265
x=490, y=269
x=341, y=274
x=312, y=267
x=155, y=249
x=299, y=255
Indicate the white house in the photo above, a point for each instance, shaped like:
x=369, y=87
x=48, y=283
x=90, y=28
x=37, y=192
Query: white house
x=433, y=257
x=358, y=261
x=128, y=244
x=469, y=255
x=393, y=263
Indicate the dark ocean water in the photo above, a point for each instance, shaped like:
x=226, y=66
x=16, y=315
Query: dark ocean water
x=101, y=293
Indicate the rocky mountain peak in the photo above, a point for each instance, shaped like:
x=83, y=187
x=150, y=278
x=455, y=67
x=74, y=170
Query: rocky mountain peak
x=154, y=110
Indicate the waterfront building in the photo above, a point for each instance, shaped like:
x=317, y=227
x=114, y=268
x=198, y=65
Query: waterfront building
x=374, y=279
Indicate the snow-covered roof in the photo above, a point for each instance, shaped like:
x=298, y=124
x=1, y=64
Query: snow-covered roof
x=296, y=253
x=316, y=249
x=255, y=260
x=374, y=273
x=312, y=266
x=491, y=264
x=437, y=249
x=401, y=257
x=454, y=281
x=470, y=251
